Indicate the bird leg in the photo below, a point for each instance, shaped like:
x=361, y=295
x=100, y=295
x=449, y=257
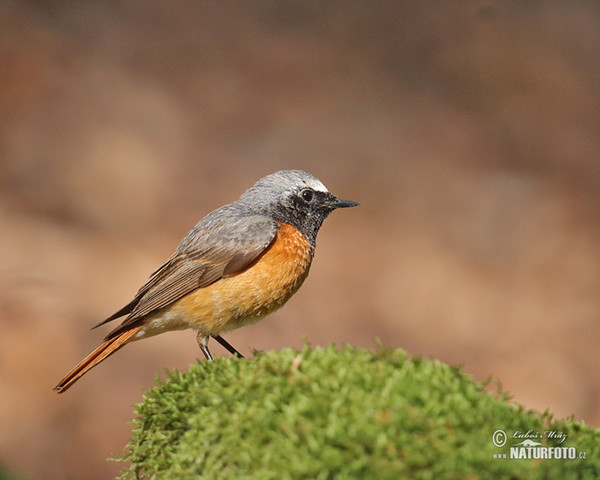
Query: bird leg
x=227, y=345
x=203, y=344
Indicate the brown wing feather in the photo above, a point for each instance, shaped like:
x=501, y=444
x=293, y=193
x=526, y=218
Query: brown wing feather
x=199, y=262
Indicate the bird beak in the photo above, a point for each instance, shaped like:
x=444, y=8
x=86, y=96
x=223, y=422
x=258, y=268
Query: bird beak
x=334, y=203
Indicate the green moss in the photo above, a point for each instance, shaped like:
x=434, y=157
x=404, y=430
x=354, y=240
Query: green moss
x=6, y=475
x=339, y=414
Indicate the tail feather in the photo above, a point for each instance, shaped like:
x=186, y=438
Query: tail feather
x=107, y=348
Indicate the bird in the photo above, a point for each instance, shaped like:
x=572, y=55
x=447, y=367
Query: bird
x=238, y=264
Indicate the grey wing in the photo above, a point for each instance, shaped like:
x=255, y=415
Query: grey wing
x=212, y=250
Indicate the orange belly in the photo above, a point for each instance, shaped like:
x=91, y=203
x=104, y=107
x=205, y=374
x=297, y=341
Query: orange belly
x=244, y=298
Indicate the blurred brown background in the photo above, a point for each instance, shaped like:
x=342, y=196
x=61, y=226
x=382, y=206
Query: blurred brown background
x=469, y=132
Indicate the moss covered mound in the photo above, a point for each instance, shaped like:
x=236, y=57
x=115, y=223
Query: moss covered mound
x=345, y=414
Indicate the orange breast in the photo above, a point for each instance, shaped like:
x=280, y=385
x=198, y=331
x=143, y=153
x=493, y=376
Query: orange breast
x=248, y=296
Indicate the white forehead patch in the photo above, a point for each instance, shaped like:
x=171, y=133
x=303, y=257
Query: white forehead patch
x=316, y=185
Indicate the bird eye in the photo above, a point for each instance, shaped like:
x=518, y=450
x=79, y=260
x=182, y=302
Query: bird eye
x=307, y=195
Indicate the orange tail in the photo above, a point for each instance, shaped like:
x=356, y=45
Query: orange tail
x=107, y=348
